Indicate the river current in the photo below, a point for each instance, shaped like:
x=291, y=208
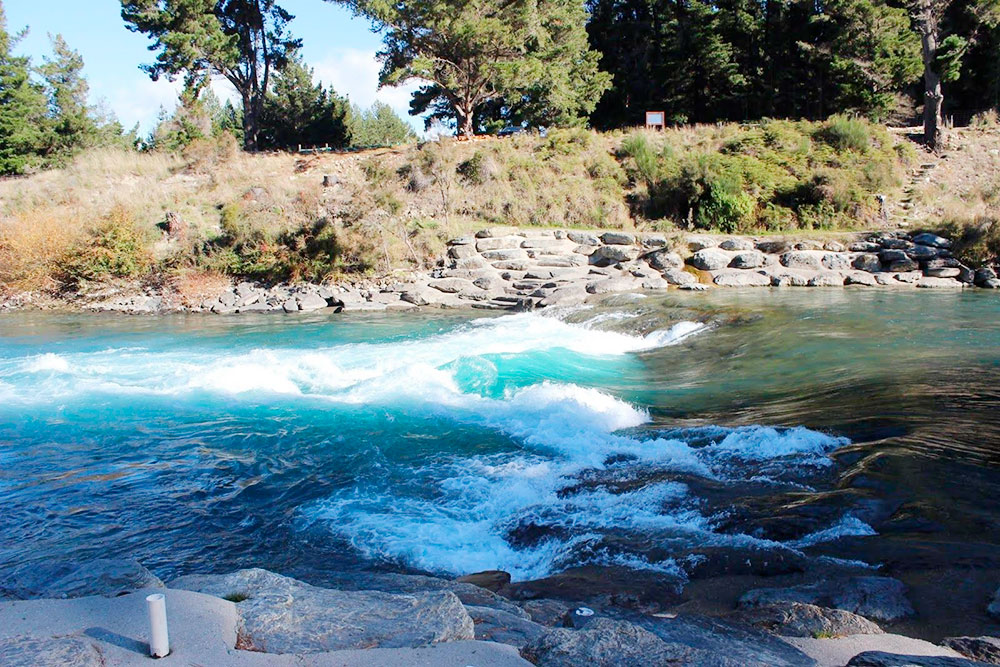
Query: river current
x=831, y=424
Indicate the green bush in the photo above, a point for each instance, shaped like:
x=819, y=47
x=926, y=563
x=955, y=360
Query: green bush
x=116, y=248
x=846, y=134
x=472, y=170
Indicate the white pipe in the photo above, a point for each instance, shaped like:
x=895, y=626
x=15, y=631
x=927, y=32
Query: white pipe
x=159, y=640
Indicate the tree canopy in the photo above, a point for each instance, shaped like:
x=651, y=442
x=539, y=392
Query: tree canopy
x=529, y=57
x=244, y=41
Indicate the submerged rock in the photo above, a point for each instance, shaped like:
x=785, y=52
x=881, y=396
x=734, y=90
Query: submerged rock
x=282, y=615
x=601, y=587
x=105, y=576
x=985, y=649
x=604, y=643
x=491, y=580
x=880, y=598
x=806, y=620
x=739, y=278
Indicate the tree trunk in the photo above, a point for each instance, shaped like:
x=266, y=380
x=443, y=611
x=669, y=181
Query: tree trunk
x=464, y=122
x=251, y=122
x=933, y=97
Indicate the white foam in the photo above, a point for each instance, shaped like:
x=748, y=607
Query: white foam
x=848, y=526
x=47, y=362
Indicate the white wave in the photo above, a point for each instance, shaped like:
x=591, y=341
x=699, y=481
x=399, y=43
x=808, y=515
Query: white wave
x=848, y=526
x=47, y=362
x=761, y=443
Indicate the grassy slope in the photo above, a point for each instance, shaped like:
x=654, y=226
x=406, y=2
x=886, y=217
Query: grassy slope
x=270, y=217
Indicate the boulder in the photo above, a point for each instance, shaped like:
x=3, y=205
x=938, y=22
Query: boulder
x=932, y=240
x=505, y=254
x=790, y=277
x=836, y=261
x=802, y=259
x=867, y=262
x=107, y=577
x=462, y=251
x=698, y=242
x=939, y=283
x=665, y=259
x=710, y=259
x=909, y=277
x=495, y=232
x=903, y=266
x=752, y=259
x=491, y=580
x=570, y=295
x=654, y=241
x=611, y=285
x=618, y=238
x=550, y=613
x=282, y=615
x=550, y=245
x=883, y=659
x=860, y=278
x=806, y=620
x=985, y=649
x=494, y=625
x=983, y=275
x=454, y=286
x=26, y=651
x=583, y=238
x=834, y=246
x=312, y=301
x=722, y=643
x=922, y=252
x=612, y=254
x=880, y=598
x=736, y=244
x=992, y=283
x=604, y=643
x=774, y=247
x=679, y=277
x=943, y=272
x=892, y=243
x=865, y=247
x=463, y=240
x=827, y=279
x=891, y=255
x=739, y=278
x=290, y=306
x=563, y=262
x=693, y=287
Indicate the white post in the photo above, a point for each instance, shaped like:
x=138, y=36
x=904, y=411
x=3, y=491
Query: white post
x=159, y=640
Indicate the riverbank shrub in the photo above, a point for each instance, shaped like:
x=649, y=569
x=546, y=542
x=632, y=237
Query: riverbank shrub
x=114, y=249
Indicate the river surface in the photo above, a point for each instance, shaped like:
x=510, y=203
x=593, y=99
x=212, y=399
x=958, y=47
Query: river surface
x=832, y=424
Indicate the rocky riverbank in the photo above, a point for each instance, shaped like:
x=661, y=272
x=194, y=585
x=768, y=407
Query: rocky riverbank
x=512, y=269
x=93, y=614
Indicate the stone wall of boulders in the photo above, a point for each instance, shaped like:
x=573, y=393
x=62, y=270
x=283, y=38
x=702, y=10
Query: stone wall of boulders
x=514, y=269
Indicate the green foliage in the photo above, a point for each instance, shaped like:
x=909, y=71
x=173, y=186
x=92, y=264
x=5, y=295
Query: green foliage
x=241, y=40
x=472, y=170
x=845, y=133
x=378, y=126
x=116, y=248
x=976, y=241
x=299, y=112
x=527, y=58
x=23, y=109
x=776, y=175
x=948, y=60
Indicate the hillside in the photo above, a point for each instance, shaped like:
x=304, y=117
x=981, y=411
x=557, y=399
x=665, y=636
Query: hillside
x=191, y=221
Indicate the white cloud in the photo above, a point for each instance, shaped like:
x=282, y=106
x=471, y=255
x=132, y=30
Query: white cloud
x=354, y=73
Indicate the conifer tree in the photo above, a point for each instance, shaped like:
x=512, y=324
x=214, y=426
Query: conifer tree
x=23, y=108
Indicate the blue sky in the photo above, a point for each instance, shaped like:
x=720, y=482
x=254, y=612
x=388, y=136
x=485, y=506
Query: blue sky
x=338, y=45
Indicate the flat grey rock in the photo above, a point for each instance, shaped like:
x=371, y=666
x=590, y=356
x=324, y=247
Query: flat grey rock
x=618, y=238
x=27, y=651
x=879, y=598
x=498, y=626
x=710, y=259
x=806, y=620
x=604, y=643
x=741, y=278
x=736, y=244
x=883, y=659
x=312, y=301
x=282, y=615
x=750, y=259
x=108, y=577
x=802, y=259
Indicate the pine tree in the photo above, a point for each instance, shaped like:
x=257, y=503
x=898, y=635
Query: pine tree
x=73, y=124
x=299, y=111
x=23, y=109
x=378, y=125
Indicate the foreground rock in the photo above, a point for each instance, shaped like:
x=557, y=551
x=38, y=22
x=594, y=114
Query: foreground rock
x=28, y=651
x=605, y=643
x=282, y=615
x=105, y=576
x=880, y=598
x=882, y=659
x=806, y=620
x=838, y=652
x=984, y=649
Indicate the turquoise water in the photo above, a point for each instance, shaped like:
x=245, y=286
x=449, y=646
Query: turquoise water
x=627, y=433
